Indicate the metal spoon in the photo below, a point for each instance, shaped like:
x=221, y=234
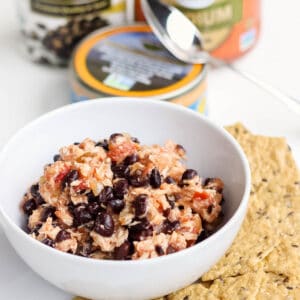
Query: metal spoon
x=183, y=39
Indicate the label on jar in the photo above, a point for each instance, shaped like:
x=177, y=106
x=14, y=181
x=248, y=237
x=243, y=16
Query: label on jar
x=68, y=7
x=53, y=28
x=216, y=21
x=130, y=61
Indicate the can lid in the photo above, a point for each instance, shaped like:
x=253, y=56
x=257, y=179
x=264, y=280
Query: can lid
x=175, y=31
x=131, y=61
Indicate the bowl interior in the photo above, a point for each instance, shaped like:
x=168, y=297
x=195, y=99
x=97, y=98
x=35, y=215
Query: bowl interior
x=209, y=149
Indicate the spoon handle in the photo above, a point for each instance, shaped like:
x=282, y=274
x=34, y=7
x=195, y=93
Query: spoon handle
x=292, y=103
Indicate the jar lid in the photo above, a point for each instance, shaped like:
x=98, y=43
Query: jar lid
x=175, y=31
x=131, y=61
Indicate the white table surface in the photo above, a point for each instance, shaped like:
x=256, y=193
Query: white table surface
x=28, y=90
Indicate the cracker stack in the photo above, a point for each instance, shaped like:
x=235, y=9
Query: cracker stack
x=264, y=259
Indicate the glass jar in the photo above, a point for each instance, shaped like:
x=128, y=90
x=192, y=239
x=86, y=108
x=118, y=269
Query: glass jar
x=52, y=28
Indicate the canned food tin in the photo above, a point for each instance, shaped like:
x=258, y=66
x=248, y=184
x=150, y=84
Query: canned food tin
x=52, y=28
x=130, y=61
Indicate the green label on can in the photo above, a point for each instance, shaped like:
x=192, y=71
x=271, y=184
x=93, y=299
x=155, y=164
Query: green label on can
x=222, y=13
x=68, y=7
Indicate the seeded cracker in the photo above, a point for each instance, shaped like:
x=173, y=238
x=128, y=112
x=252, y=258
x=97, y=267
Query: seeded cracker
x=285, y=259
x=273, y=179
x=275, y=286
x=267, y=247
x=242, y=287
x=194, y=291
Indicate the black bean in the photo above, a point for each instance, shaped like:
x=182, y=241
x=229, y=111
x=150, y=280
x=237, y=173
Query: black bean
x=169, y=180
x=189, y=174
x=122, y=252
x=76, y=143
x=81, y=215
x=81, y=192
x=91, y=197
x=103, y=144
x=180, y=148
x=138, y=180
x=34, y=190
x=62, y=236
x=39, y=200
x=69, y=178
x=114, y=136
x=117, y=205
x=105, y=195
x=47, y=212
x=155, y=179
x=140, y=205
x=166, y=212
x=48, y=242
x=207, y=181
x=120, y=188
x=222, y=201
x=181, y=207
x=135, y=140
x=202, y=236
x=84, y=250
x=168, y=227
x=140, y=235
x=171, y=200
x=210, y=209
x=29, y=206
x=93, y=208
x=131, y=159
x=104, y=224
x=171, y=250
x=36, y=229
x=140, y=231
x=120, y=170
x=90, y=225
x=214, y=184
x=56, y=157
x=159, y=250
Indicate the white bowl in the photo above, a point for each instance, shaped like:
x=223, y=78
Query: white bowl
x=211, y=150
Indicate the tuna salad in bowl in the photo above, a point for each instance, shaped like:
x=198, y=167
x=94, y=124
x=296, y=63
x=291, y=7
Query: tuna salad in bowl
x=122, y=198
x=119, y=199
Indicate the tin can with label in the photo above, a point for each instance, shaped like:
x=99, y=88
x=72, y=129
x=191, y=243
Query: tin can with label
x=52, y=28
x=130, y=61
x=230, y=28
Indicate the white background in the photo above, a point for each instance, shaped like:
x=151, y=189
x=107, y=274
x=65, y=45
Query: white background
x=28, y=90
